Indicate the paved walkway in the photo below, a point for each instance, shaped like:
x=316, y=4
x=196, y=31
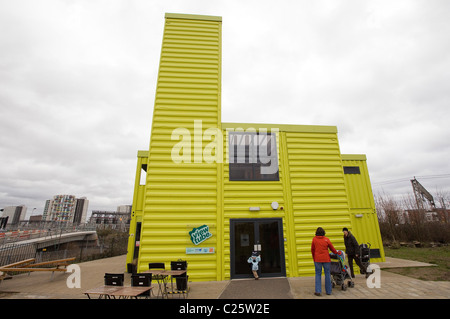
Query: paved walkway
x=264, y=288
x=40, y=285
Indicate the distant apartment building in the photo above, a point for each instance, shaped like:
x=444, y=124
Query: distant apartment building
x=81, y=210
x=47, y=209
x=15, y=214
x=63, y=208
x=66, y=208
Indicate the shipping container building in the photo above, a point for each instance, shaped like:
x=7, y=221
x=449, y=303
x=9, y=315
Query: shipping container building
x=210, y=193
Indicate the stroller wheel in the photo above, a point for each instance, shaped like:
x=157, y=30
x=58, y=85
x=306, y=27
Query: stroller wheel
x=351, y=284
x=344, y=287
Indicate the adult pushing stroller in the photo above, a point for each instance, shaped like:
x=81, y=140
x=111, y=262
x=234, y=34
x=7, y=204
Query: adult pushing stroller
x=339, y=271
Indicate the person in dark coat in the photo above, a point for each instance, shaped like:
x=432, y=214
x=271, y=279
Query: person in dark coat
x=352, y=251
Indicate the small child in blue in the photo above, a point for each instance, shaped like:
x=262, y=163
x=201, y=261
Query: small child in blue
x=254, y=260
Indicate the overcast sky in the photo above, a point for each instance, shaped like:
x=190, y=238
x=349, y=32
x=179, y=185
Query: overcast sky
x=78, y=79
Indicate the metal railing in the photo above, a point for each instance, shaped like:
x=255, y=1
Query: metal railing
x=7, y=237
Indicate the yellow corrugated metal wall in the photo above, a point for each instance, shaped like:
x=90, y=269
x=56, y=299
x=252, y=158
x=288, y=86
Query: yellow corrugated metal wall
x=311, y=190
x=318, y=195
x=362, y=206
x=239, y=196
x=137, y=206
x=181, y=196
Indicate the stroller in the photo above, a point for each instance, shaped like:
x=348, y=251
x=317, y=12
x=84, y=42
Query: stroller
x=364, y=253
x=340, y=271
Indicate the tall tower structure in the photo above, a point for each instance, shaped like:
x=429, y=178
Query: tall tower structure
x=181, y=189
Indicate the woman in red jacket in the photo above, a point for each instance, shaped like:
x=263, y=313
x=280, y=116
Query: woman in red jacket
x=319, y=249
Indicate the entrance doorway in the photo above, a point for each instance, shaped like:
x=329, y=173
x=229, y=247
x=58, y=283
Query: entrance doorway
x=263, y=234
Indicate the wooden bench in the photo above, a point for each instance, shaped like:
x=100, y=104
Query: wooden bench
x=4, y=269
x=28, y=266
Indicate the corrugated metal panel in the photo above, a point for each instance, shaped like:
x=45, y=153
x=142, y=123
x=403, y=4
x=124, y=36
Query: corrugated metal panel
x=239, y=196
x=138, y=204
x=358, y=184
x=362, y=206
x=179, y=197
x=311, y=190
x=318, y=192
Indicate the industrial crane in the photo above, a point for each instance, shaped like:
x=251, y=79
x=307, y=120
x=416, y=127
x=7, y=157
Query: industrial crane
x=420, y=193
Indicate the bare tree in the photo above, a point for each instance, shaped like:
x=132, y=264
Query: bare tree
x=443, y=198
x=416, y=216
x=388, y=211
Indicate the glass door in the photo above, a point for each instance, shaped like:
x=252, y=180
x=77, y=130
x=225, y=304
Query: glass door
x=264, y=234
x=243, y=246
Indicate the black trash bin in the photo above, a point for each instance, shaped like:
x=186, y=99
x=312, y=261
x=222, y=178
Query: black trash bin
x=181, y=280
x=182, y=283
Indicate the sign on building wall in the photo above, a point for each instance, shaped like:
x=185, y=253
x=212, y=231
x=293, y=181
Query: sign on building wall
x=200, y=234
x=200, y=250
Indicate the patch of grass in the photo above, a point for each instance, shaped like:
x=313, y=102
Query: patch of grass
x=440, y=256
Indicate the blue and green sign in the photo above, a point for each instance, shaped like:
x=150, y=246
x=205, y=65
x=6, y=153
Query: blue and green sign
x=200, y=234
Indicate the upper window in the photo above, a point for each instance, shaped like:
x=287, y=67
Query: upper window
x=253, y=157
x=351, y=170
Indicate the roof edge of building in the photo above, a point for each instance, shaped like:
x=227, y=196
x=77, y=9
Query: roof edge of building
x=283, y=127
x=354, y=157
x=142, y=153
x=192, y=17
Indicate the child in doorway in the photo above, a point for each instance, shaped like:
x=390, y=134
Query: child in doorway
x=254, y=260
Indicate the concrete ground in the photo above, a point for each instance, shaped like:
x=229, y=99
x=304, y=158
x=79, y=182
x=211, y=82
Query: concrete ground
x=392, y=286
